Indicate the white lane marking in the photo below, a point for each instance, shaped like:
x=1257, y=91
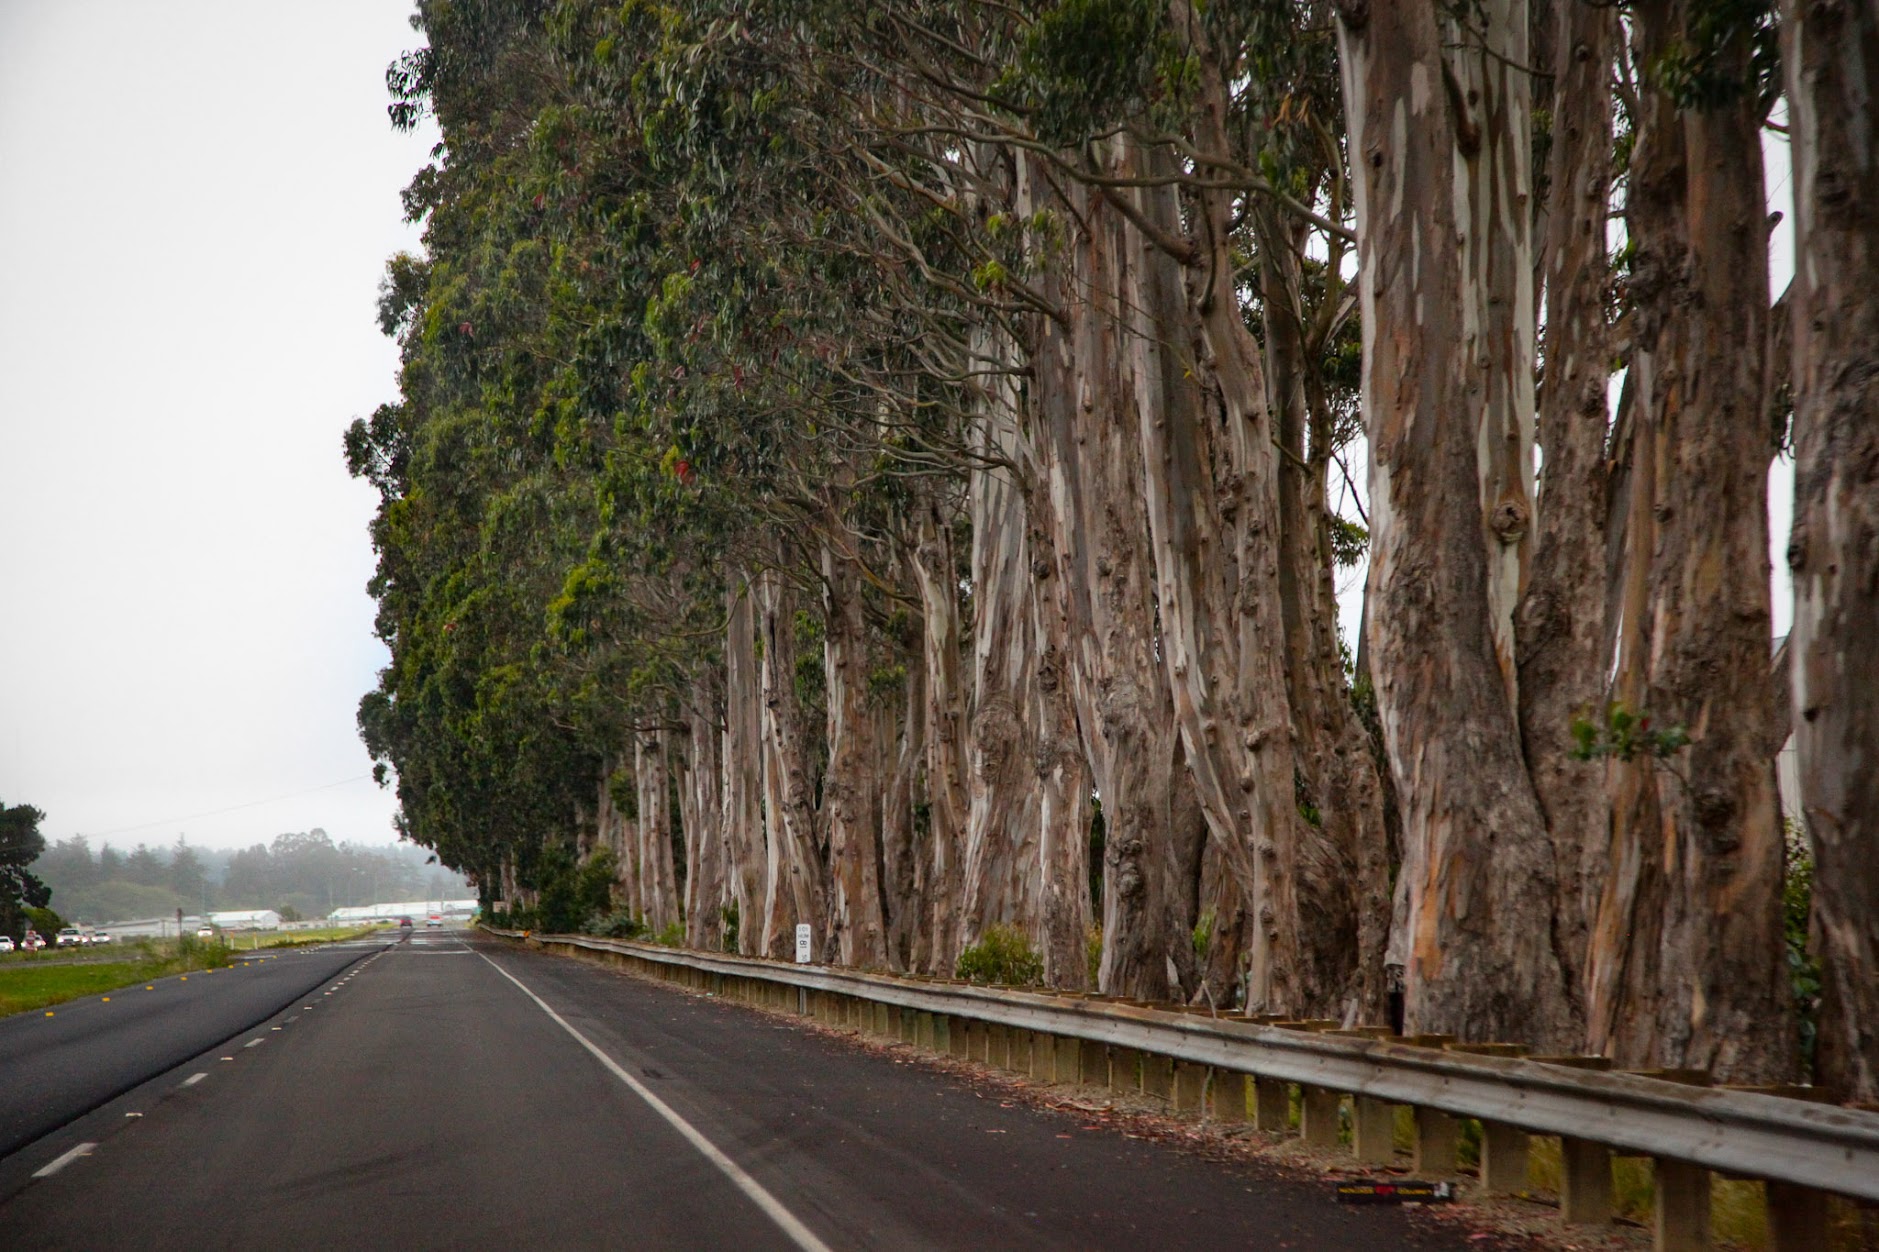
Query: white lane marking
x=786, y=1221
x=254, y=1043
x=54, y=1166
x=193, y=1079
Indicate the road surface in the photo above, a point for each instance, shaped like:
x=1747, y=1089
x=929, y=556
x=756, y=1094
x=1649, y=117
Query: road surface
x=456, y=1089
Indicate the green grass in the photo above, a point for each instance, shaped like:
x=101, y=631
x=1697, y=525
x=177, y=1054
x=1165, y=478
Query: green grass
x=24, y=988
x=301, y=938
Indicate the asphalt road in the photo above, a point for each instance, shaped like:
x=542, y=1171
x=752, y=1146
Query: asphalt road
x=60, y=1063
x=456, y=1089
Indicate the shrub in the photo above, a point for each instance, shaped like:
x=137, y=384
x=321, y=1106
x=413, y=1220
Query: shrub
x=619, y=924
x=673, y=936
x=1002, y=955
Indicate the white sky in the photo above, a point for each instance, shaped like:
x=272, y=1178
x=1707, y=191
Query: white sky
x=196, y=202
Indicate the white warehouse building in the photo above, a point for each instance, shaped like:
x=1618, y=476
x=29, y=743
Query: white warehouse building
x=416, y=910
x=247, y=919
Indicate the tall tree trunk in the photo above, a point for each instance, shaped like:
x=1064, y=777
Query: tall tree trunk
x=936, y=572
x=903, y=757
x=1702, y=828
x=1481, y=963
x=794, y=888
x=1831, y=55
x=1063, y=788
x=851, y=799
x=1002, y=879
x=741, y=795
x=1091, y=490
x=658, y=888
x=701, y=815
x=620, y=821
x=1562, y=626
x=1342, y=870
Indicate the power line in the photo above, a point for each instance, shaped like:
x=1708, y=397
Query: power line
x=233, y=808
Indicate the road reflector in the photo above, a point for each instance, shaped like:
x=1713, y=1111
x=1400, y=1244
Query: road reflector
x=48, y=1012
x=106, y=999
x=149, y=988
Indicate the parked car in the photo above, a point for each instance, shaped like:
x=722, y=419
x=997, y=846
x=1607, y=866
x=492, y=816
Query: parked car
x=404, y=923
x=32, y=942
x=6, y=943
x=71, y=937
x=205, y=932
x=100, y=936
x=435, y=919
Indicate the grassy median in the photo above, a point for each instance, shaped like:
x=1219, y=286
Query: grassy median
x=27, y=987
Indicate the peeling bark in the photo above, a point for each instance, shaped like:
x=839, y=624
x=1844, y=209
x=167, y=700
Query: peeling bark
x=851, y=801
x=1481, y=963
x=701, y=816
x=741, y=794
x=1700, y=979
x=658, y=886
x=1831, y=55
x=936, y=573
x=795, y=890
x=1562, y=626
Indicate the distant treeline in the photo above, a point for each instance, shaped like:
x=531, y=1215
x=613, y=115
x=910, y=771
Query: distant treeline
x=297, y=874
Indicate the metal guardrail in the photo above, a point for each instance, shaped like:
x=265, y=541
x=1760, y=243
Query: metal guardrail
x=1737, y=1133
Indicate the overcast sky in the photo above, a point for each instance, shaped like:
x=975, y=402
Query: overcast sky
x=196, y=202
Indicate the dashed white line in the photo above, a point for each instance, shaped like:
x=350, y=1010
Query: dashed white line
x=254, y=1043
x=192, y=1080
x=58, y=1163
x=785, y=1220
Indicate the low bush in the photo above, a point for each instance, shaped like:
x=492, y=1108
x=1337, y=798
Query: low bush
x=1002, y=955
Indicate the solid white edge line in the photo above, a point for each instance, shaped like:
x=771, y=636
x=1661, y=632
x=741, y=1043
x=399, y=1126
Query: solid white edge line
x=772, y=1207
x=54, y=1166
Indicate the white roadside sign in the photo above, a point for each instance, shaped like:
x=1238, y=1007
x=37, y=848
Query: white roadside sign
x=802, y=943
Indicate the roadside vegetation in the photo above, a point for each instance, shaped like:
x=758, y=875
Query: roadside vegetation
x=30, y=985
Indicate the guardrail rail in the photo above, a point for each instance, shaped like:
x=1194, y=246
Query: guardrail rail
x=1236, y=1069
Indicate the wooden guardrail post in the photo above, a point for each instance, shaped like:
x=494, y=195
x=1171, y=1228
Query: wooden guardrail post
x=1797, y=1217
x=1504, y=1158
x=1373, y=1130
x=1585, y=1188
x=1158, y=1076
x=1092, y=1063
x=1019, y=1061
x=1190, y=1088
x=1065, y=1066
x=1318, y=1115
x=1272, y=1106
x=1680, y=1217
x=1125, y=1069
x=1435, y=1144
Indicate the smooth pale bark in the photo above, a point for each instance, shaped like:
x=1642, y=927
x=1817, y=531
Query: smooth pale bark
x=1831, y=55
x=936, y=574
x=1091, y=501
x=795, y=886
x=741, y=792
x=1480, y=963
x=701, y=816
x=1342, y=869
x=1490, y=103
x=851, y=788
x=1002, y=881
x=620, y=829
x=1562, y=627
x=1700, y=979
x=658, y=885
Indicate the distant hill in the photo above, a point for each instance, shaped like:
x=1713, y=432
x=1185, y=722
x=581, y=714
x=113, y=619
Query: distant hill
x=298, y=874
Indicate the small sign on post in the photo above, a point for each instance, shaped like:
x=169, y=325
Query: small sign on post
x=802, y=943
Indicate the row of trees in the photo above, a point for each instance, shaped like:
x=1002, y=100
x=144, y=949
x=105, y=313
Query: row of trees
x=299, y=874
x=848, y=456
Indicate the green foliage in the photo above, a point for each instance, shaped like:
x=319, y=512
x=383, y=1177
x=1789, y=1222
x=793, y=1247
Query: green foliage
x=1797, y=910
x=570, y=893
x=1204, y=935
x=1003, y=956
x=731, y=924
x=20, y=845
x=673, y=936
x=1625, y=736
x=619, y=924
x=1085, y=64
x=1727, y=48
x=45, y=921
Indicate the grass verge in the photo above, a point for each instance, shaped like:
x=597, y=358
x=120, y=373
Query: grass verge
x=25, y=988
x=303, y=938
